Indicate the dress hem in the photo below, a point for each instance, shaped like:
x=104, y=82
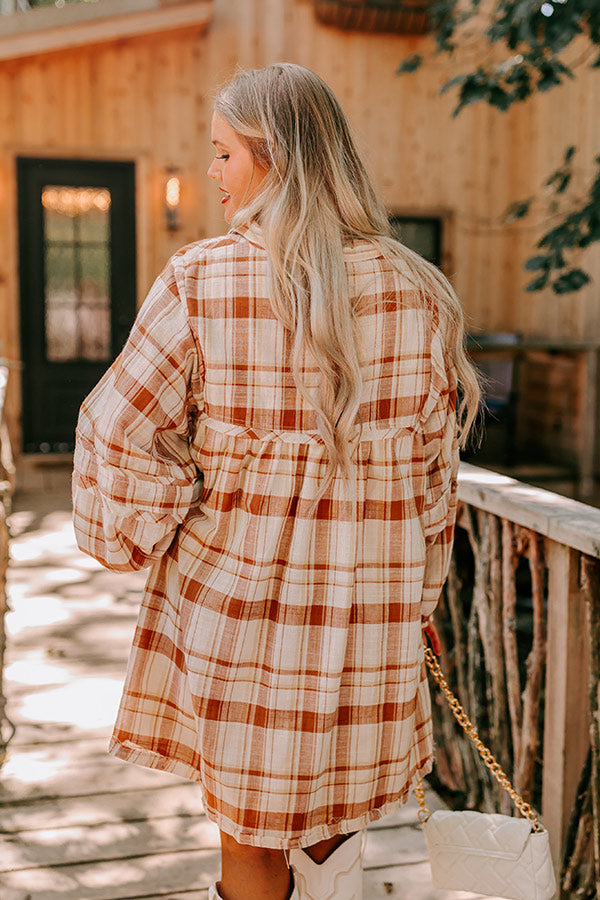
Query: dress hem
x=140, y=756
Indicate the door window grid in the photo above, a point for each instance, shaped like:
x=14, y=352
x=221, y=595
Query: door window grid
x=77, y=273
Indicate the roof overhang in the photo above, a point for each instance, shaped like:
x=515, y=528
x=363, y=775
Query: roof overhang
x=46, y=30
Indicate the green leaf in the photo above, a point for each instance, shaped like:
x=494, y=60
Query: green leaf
x=499, y=98
x=567, y=234
x=521, y=92
x=550, y=71
x=529, y=60
x=595, y=189
x=537, y=262
x=593, y=225
x=559, y=180
x=520, y=77
x=453, y=82
x=410, y=64
x=571, y=281
x=538, y=283
x=473, y=89
x=517, y=210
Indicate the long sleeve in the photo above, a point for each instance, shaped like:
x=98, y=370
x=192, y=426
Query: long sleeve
x=441, y=458
x=134, y=479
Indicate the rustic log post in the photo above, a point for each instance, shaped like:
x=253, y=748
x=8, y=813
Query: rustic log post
x=481, y=549
x=570, y=530
x=566, y=711
x=449, y=769
x=461, y=764
x=477, y=537
x=590, y=579
x=480, y=789
x=499, y=713
x=509, y=632
x=457, y=615
x=577, y=839
x=453, y=598
x=536, y=662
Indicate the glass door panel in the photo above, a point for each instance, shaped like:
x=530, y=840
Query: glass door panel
x=77, y=272
x=77, y=285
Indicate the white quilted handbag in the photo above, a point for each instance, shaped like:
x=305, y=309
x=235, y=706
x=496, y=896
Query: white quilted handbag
x=486, y=853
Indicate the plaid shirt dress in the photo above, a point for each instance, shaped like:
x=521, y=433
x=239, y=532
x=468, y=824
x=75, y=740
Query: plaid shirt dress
x=278, y=656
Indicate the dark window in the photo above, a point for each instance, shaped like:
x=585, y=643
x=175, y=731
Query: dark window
x=422, y=234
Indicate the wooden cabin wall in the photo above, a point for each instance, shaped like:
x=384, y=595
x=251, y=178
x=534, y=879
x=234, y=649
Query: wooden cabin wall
x=148, y=99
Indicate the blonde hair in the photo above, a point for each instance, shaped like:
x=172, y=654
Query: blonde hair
x=315, y=198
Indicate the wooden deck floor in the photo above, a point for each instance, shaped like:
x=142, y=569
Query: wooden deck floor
x=75, y=823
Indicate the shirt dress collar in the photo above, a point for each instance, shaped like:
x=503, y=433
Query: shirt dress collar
x=254, y=235
x=252, y=232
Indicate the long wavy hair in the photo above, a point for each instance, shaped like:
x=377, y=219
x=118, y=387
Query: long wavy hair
x=315, y=198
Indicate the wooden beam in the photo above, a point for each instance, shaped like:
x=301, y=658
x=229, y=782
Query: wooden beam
x=47, y=30
x=566, y=716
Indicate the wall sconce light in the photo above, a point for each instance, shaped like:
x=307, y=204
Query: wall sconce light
x=172, y=199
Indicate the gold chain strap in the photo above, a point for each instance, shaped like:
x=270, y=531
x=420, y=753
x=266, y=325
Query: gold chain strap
x=495, y=768
x=424, y=812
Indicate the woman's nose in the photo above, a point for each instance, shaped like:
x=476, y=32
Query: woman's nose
x=213, y=170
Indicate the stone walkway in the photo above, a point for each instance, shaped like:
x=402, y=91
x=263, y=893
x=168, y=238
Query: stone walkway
x=75, y=823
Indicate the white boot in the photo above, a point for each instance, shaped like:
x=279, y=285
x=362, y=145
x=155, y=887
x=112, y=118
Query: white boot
x=213, y=893
x=338, y=878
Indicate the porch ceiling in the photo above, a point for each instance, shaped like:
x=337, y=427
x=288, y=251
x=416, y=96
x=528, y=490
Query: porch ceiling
x=46, y=30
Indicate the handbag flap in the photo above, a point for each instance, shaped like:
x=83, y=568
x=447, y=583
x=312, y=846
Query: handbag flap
x=475, y=832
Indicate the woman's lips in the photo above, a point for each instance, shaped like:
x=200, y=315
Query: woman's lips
x=225, y=198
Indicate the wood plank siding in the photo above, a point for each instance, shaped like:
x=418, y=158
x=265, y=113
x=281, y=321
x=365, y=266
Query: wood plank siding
x=147, y=98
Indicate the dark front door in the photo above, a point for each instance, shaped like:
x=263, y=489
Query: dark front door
x=77, y=284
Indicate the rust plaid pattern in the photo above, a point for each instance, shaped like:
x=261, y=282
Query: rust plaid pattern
x=278, y=658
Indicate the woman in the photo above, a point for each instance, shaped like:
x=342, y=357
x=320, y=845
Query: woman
x=305, y=366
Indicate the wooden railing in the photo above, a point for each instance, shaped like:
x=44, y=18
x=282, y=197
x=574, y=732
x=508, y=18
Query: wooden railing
x=7, y=475
x=520, y=626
